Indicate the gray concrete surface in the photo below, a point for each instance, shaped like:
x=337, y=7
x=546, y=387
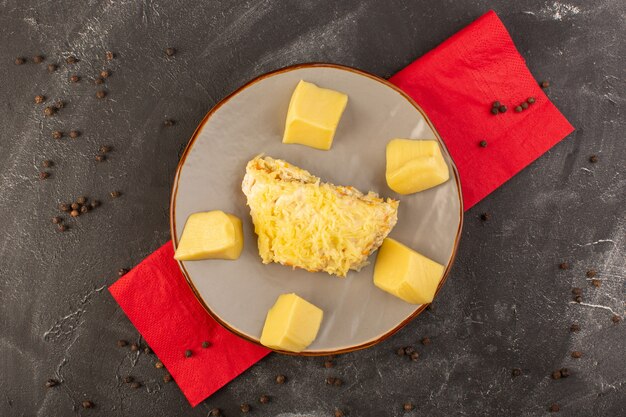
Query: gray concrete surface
x=506, y=304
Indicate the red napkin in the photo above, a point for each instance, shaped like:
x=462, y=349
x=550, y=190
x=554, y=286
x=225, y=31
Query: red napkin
x=455, y=84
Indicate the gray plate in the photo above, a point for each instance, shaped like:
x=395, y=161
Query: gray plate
x=251, y=121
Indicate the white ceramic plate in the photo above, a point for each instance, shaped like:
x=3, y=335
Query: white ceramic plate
x=239, y=293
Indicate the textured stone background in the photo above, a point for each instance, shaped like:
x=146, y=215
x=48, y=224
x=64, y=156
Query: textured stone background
x=505, y=305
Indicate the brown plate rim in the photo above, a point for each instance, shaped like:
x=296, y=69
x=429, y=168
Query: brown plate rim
x=194, y=136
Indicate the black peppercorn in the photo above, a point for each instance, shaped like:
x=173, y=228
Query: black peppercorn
x=100, y=158
x=20, y=61
x=577, y=291
x=516, y=372
x=121, y=272
x=485, y=216
x=496, y=104
x=59, y=104
x=88, y=404
x=81, y=200
x=49, y=111
x=245, y=408
x=530, y=100
x=170, y=51
x=554, y=408
x=205, y=344
x=426, y=341
x=518, y=109
x=56, y=134
x=577, y=354
x=62, y=228
x=494, y=111
x=524, y=105
x=616, y=319
x=574, y=327
x=109, y=55
x=408, y=406
x=281, y=379
x=215, y=412
x=38, y=59
x=134, y=347
x=503, y=109
x=115, y=194
x=40, y=99
x=415, y=356
x=188, y=353
x=400, y=351
x=74, y=134
x=264, y=399
x=64, y=207
x=57, y=220
x=44, y=175
x=105, y=73
x=84, y=209
x=98, y=81
x=167, y=378
x=545, y=84
x=159, y=365
x=101, y=94
x=75, y=206
x=596, y=282
x=564, y=265
x=483, y=143
x=339, y=413
x=74, y=78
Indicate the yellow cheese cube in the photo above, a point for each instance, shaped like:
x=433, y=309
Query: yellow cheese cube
x=313, y=115
x=401, y=271
x=210, y=235
x=291, y=324
x=415, y=165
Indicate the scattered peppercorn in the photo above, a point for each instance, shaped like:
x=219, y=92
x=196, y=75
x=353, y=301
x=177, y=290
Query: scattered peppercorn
x=577, y=354
x=330, y=380
x=524, y=105
x=415, y=356
x=483, y=143
x=74, y=134
x=84, y=209
x=167, y=378
x=40, y=99
x=159, y=365
x=62, y=228
x=593, y=159
x=147, y=350
x=122, y=271
x=281, y=379
x=57, y=220
x=88, y=404
x=109, y=55
x=616, y=319
x=503, y=109
x=408, y=350
x=59, y=104
x=330, y=364
x=115, y=194
x=338, y=413
x=52, y=68
x=134, y=347
x=264, y=399
x=518, y=109
x=105, y=73
x=400, y=351
x=554, y=408
x=64, y=207
x=49, y=111
x=188, y=353
x=530, y=100
x=169, y=123
x=75, y=206
x=545, y=84
x=494, y=111
x=128, y=379
x=485, y=217
x=38, y=59
x=105, y=149
x=591, y=273
x=170, y=51
x=426, y=341
x=578, y=299
x=95, y=203
x=71, y=59
x=408, y=406
x=56, y=134
x=563, y=265
x=135, y=385
x=556, y=374
x=245, y=408
x=47, y=163
x=564, y=372
x=516, y=372
x=51, y=383
x=101, y=94
x=100, y=158
x=20, y=61
x=496, y=104
x=74, y=78
x=216, y=412
x=574, y=327
x=98, y=81
x=205, y=344
x=81, y=200
x=44, y=175
x=577, y=291
x=596, y=282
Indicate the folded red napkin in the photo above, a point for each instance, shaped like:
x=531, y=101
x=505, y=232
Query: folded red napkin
x=455, y=84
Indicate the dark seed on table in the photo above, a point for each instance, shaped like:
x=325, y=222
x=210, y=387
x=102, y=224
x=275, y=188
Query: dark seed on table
x=51, y=383
x=40, y=99
x=330, y=364
x=170, y=51
x=264, y=399
x=563, y=265
x=415, y=356
x=524, y=105
x=554, y=408
x=147, y=350
x=399, y=352
x=134, y=347
x=591, y=273
x=545, y=84
x=74, y=213
x=206, y=344
x=578, y=299
x=44, y=175
x=596, y=282
x=74, y=78
x=215, y=412
x=516, y=372
x=49, y=111
x=74, y=134
x=188, y=353
x=95, y=203
x=338, y=382
x=57, y=220
x=408, y=406
x=59, y=104
x=564, y=372
x=62, y=228
x=167, y=378
x=593, y=159
x=426, y=341
x=105, y=73
x=503, y=109
x=128, y=379
x=75, y=206
x=530, y=100
x=98, y=81
x=169, y=123
x=339, y=413
x=101, y=94
x=577, y=354
x=56, y=134
x=616, y=319
x=483, y=143
x=330, y=380
x=245, y=408
x=115, y=194
x=64, y=207
x=159, y=365
x=135, y=385
x=281, y=379
x=20, y=61
x=408, y=350
x=485, y=216
x=109, y=55
x=105, y=149
x=577, y=291
x=122, y=271
x=52, y=67
x=47, y=163
x=518, y=109
x=100, y=158
x=494, y=110
x=84, y=209
x=71, y=59
x=574, y=327
x=556, y=375
x=81, y=200
x=496, y=104
x=88, y=404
